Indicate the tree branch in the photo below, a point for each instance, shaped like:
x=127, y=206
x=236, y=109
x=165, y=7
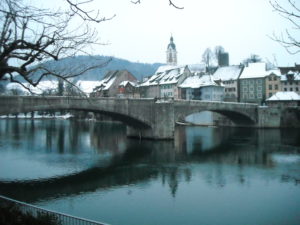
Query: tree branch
x=86, y=15
x=170, y=3
x=175, y=6
x=288, y=41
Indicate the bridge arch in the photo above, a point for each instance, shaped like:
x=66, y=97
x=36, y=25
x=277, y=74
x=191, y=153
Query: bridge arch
x=236, y=117
x=126, y=119
x=119, y=112
x=240, y=116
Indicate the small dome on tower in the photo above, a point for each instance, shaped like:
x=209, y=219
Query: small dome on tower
x=171, y=45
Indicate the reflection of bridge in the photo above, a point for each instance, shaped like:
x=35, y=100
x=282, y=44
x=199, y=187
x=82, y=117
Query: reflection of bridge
x=126, y=169
x=146, y=118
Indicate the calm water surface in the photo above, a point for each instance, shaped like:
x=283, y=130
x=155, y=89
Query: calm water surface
x=205, y=176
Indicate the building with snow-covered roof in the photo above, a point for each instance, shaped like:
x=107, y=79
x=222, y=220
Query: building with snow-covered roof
x=128, y=89
x=109, y=85
x=290, y=81
x=256, y=82
x=201, y=87
x=197, y=68
x=229, y=76
x=285, y=99
x=164, y=83
x=286, y=69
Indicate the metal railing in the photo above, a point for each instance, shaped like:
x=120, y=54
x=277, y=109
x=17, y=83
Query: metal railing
x=34, y=211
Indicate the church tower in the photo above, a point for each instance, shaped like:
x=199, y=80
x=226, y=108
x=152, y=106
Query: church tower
x=171, y=53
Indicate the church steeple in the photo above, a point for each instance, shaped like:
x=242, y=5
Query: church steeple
x=171, y=53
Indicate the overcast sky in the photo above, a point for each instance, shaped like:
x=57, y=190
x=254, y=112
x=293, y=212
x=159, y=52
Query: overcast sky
x=141, y=32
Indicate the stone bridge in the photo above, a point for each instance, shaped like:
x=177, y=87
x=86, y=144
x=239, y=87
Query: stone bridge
x=146, y=118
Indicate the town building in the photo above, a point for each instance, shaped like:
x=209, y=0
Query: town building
x=171, y=53
x=290, y=82
x=128, y=89
x=201, y=87
x=228, y=76
x=164, y=83
x=109, y=85
x=273, y=83
x=253, y=83
x=284, y=99
x=286, y=69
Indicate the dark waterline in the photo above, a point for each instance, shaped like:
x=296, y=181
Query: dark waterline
x=205, y=176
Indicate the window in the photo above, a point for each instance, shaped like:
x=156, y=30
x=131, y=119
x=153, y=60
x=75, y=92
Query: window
x=297, y=89
x=275, y=78
x=276, y=86
x=270, y=86
x=291, y=89
x=285, y=89
x=270, y=94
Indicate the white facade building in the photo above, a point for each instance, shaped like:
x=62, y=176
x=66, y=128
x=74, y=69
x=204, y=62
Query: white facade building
x=229, y=76
x=201, y=88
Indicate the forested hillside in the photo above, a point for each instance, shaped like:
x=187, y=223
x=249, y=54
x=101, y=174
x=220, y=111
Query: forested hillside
x=139, y=70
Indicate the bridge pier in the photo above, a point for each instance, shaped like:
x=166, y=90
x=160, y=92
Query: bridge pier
x=162, y=123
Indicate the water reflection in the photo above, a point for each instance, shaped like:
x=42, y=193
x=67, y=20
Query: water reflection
x=76, y=158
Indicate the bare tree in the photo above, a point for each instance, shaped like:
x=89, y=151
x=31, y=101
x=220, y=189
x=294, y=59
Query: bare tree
x=30, y=36
x=253, y=58
x=290, y=39
x=207, y=58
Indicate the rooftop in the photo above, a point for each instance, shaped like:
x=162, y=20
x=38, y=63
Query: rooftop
x=285, y=96
x=165, y=75
x=227, y=73
x=257, y=70
x=198, y=81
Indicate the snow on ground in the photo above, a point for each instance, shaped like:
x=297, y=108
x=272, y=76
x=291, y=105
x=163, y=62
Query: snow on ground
x=44, y=86
x=37, y=116
x=88, y=86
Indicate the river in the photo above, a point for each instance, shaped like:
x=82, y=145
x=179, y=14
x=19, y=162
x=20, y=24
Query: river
x=206, y=175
